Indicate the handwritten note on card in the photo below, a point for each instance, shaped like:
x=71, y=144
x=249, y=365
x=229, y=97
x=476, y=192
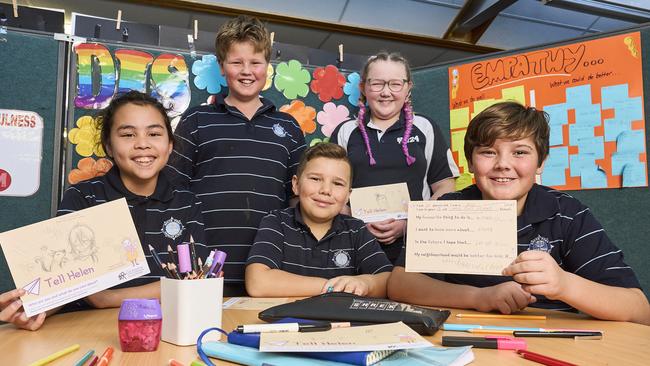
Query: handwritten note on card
x=469, y=237
x=377, y=203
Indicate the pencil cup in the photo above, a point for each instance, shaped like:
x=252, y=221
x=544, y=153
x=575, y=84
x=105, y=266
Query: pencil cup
x=189, y=307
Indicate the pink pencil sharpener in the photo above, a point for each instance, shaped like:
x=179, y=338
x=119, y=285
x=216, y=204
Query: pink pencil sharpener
x=140, y=323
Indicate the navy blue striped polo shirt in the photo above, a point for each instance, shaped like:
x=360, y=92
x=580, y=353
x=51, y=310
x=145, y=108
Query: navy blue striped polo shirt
x=240, y=169
x=168, y=217
x=285, y=242
x=559, y=224
x=434, y=161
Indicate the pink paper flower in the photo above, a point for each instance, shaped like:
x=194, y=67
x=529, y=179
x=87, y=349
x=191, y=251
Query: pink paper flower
x=331, y=116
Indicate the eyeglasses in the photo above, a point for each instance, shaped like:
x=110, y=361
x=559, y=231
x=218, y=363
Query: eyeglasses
x=395, y=85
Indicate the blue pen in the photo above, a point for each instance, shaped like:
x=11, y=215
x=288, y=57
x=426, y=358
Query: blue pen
x=85, y=358
x=467, y=327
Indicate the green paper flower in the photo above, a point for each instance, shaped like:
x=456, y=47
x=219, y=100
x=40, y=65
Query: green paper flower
x=291, y=79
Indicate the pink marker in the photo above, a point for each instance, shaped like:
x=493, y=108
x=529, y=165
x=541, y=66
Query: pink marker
x=184, y=260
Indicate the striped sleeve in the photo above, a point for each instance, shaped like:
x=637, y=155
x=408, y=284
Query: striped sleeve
x=73, y=200
x=370, y=258
x=442, y=165
x=593, y=256
x=268, y=243
x=182, y=160
x=295, y=153
x=196, y=226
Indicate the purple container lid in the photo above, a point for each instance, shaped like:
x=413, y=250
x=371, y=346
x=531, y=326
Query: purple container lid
x=140, y=309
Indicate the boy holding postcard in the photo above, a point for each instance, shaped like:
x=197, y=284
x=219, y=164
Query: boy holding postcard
x=312, y=248
x=565, y=261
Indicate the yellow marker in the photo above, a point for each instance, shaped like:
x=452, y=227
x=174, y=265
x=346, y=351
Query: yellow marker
x=488, y=331
x=502, y=316
x=55, y=355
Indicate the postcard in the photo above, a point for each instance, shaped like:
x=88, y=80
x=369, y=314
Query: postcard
x=254, y=303
x=468, y=237
x=390, y=336
x=75, y=255
x=377, y=203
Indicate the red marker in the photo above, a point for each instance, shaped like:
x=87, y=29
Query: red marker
x=544, y=360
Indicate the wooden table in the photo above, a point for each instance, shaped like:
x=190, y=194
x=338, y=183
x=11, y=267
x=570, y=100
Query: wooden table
x=623, y=343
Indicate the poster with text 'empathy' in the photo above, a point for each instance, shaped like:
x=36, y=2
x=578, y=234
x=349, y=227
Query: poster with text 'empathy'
x=593, y=94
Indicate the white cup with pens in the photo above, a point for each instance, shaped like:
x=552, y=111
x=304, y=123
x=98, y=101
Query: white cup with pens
x=191, y=301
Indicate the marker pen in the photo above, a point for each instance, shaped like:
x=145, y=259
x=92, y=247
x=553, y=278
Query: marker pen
x=497, y=342
x=217, y=264
x=184, y=260
x=285, y=327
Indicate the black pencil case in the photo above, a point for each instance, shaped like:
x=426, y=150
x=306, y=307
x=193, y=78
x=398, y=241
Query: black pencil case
x=346, y=307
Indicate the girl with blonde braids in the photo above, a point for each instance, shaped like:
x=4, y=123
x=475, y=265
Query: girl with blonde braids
x=388, y=143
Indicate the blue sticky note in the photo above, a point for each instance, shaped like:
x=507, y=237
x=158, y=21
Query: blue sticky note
x=593, y=178
x=578, y=96
x=557, y=114
x=610, y=96
x=630, y=109
x=580, y=162
x=621, y=159
x=631, y=141
x=614, y=127
x=555, y=167
x=556, y=137
x=578, y=132
x=592, y=145
x=588, y=115
x=634, y=175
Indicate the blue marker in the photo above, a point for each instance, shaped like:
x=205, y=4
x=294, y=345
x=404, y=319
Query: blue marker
x=85, y=358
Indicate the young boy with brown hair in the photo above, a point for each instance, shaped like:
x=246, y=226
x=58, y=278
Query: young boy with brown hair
x=312, y=248
x=565, y=262
x=239, y=153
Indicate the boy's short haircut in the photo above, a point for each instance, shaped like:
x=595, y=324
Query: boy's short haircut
x=511, y=121
x=326, y=150
x=243, y=29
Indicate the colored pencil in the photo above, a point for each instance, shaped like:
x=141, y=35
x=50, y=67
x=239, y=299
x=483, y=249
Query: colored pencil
x=85, y=358
x=55, y=355
x=502, y=316
x=94, y=361
x=195, y=266
x=544, y=360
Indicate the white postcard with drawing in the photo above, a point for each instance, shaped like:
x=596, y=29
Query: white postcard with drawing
x=389, y=336
x=377, y=203
x=75, y=255
x=466, y=237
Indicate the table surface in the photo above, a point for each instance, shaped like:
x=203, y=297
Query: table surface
x=622, y=344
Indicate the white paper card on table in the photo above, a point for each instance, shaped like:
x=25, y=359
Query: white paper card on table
x=254, y=303
x=75, y=255
x=466, y=237
x=390, y=336
x=377, y=203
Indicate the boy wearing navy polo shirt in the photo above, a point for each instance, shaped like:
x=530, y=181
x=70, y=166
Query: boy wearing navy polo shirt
x=312, y=248
x=565, y=262
x=239, y=153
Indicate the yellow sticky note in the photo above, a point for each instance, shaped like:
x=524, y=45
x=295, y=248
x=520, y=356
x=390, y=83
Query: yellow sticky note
x=458, y=118
x=464, y=180
x=516, y=94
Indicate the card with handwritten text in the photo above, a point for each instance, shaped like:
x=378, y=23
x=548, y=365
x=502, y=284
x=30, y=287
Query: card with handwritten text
x=377, y=203
x=468, y=237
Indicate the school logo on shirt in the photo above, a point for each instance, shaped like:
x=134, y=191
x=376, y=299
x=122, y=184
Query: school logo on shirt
x=279, y=130
x=172, y=228
x=412, y=139
x=341, y=258
x=540, y=243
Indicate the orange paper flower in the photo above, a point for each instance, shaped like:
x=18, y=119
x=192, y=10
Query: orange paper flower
x=303, y=114
x=89, y=168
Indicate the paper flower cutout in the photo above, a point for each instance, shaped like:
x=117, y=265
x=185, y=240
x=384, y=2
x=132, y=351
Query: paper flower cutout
x=318, y=141
x=303, y=114
x=351, y=88
x=291, y=79
x=86, y=137
x=269, y=77
x=89, y=168
x=332, y=116
x=208, y=74
x=328, y=83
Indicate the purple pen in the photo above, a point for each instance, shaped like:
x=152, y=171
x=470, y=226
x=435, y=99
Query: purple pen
x=219, y=260
x=184, y=260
